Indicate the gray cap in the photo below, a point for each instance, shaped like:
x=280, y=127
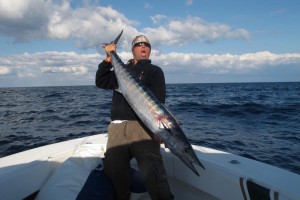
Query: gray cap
x=139, y=38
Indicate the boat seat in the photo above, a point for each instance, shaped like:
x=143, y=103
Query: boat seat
x=67, y=181
x=81, y=177
x=99, y=186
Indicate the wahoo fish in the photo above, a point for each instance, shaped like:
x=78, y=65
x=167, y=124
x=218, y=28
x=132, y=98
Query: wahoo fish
x=154, y=115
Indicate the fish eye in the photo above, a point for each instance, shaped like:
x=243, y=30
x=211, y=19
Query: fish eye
x=187, y=150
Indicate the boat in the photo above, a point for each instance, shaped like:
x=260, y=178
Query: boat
x=60, y=171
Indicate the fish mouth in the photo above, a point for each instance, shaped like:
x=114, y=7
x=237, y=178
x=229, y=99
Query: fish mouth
x=192, y=160
x=194, y=169
x=199, y=164
x=190, y=165
x=195, y=159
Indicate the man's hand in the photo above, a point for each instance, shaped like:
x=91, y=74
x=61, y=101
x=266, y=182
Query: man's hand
x=108, y=49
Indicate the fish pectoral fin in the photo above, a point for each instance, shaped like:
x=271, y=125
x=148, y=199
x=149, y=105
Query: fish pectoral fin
x=165, y=126
x=170, y=112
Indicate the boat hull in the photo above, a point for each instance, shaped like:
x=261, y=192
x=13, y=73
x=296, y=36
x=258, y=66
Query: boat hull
x=227, y=176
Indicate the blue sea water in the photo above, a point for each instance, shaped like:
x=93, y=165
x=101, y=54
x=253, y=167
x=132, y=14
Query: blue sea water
x=260, y=121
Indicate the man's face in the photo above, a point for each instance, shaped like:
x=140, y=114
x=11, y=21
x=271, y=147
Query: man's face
x=141, y=51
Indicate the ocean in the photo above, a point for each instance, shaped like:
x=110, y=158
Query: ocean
x=260, y=121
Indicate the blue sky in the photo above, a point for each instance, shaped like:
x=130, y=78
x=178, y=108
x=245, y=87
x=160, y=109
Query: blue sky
x=49, y=43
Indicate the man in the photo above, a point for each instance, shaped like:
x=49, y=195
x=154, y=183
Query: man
x=127, y=136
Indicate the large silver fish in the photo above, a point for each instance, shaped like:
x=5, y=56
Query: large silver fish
x=152, y=113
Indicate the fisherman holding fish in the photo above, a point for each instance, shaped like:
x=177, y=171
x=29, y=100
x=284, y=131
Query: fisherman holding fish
x=128, y=137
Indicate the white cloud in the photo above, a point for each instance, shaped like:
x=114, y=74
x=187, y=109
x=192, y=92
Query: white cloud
x=147, y=5
x=189, y=2
x=225, y=62
x=87, y=26
x=4, y=70
x=182, y=31
x=24, y=20
x=69, y=68
x=30, y=20
x=156, y=19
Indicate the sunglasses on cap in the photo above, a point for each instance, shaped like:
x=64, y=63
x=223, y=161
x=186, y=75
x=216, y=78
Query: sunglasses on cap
x=140, y=44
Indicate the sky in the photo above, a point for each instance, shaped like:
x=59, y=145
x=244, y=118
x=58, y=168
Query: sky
x=58, y=42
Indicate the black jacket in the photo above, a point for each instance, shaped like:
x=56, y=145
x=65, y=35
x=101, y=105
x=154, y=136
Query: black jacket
x=151, y=76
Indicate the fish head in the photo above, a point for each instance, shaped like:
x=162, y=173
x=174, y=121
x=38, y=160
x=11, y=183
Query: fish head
x=178, y=143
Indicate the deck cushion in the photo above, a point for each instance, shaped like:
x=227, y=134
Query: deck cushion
x=81, y=177
x=99, y=186
x=67, y=181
